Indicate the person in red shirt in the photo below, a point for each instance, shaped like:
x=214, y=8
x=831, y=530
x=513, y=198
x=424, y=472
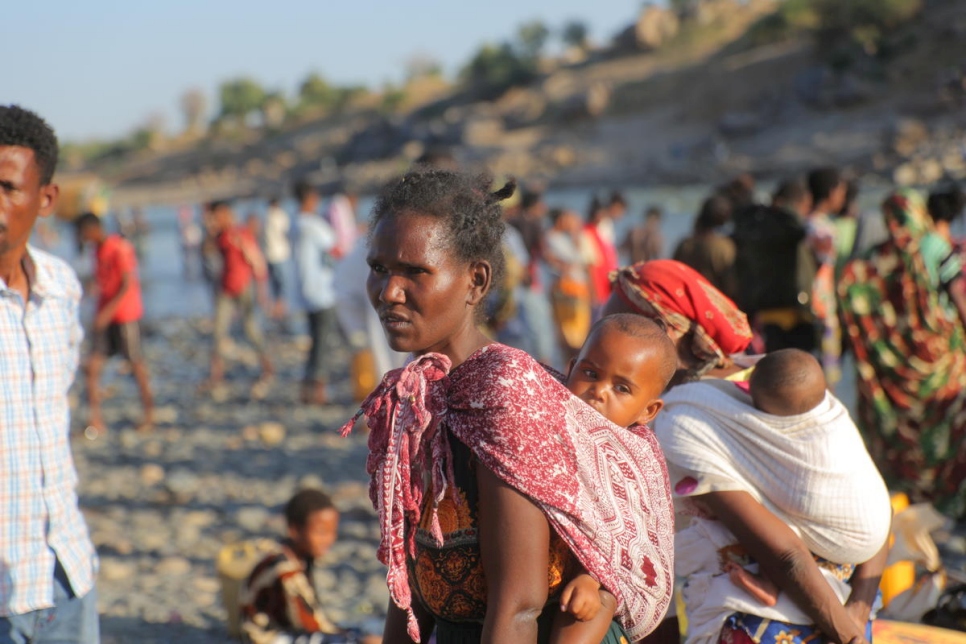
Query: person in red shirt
x=117, y=328
x=244, y=275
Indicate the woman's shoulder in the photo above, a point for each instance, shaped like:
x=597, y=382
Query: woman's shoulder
x=497, y=368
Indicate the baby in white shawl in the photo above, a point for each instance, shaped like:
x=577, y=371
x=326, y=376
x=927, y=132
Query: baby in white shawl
x=799, y=454
x=784, y=383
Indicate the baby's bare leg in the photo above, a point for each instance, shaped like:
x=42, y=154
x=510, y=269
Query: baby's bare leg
x=567, y=630
x=758, y=586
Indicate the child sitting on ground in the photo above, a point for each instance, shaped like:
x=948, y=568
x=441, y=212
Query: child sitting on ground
x=278, y=602
x=789, y=382
x=621, y=371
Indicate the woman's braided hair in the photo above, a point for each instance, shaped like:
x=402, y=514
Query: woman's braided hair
x=471, y=210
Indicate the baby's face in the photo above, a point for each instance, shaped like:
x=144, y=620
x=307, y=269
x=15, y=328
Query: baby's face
x=618, y=376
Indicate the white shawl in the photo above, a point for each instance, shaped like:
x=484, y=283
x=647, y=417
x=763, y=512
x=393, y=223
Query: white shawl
x=812, y=471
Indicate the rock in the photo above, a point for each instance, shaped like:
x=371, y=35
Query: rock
x=151, y=474
x=930, y=171
x=272, y=433
x=905, y=175
x=250, y=433
x=168, y=414
x=116, y=570
x=908, y=135
x=153, y=449
x=173, y=567
x=253, y=518
x=206, y=584
x=654, y=27
x=182, y=484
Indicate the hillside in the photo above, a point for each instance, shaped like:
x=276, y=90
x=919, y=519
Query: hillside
x=709, y=101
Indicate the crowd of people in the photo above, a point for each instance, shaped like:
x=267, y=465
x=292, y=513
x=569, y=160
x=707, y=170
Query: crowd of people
x=521, y=493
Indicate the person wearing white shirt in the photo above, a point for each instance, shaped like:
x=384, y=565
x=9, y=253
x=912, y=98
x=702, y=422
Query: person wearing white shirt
x=315, y=263
x=278, y=251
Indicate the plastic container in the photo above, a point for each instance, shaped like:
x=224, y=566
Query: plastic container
x=234, y=565
x=900, y=576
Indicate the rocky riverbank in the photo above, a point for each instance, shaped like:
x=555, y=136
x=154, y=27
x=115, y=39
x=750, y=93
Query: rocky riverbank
x=216, y=470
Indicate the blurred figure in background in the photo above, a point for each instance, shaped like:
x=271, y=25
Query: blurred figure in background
x=599, y=233
x=341, y=215
x=278, y=252
x=775, y=269
x=533, y=305
x=242, y=283
x=316, y=247
x=645, y=241
x=360, y=323
x=829, y=191
x=570, y=288
x=117, y=323
x=707, y=250
x=212, y=264
x=190, y=235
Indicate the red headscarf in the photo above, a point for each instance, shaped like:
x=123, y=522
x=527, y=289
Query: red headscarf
x=687, y=303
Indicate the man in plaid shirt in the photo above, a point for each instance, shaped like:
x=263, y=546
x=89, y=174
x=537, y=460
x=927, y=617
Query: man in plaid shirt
x=47, y=561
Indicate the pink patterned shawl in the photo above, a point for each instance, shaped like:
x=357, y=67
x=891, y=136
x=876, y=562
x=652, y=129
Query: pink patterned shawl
x=604, y=489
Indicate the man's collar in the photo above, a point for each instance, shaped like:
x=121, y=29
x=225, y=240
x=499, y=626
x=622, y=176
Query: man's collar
x=41, y=281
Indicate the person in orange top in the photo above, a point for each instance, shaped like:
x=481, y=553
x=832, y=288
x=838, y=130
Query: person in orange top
x=117, y=328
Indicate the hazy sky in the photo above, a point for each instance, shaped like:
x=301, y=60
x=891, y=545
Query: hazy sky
x=96, y=68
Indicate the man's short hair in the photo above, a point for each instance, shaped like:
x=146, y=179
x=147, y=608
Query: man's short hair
x=23, y=128
x=302, y=189
x=821, y=183
x=790, y=191
x=304, y=504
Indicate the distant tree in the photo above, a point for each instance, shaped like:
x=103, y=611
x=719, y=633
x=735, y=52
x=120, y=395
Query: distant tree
x=574, y=34
x=346, y=94
x=194, y=104
x=392, y=98
x=496, y=68
x=421, y=65
x=240, y=97
x=532, y=37
x=316, y=91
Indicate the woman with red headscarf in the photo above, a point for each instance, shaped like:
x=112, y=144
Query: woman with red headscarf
x=709, y=330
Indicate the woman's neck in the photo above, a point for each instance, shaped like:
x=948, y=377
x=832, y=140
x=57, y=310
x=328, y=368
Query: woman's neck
x=461, y=346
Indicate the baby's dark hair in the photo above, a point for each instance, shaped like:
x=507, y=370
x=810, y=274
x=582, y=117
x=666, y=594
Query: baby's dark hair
x=23, y=128
x=304, y=504
x=787, y=382
x=652, y=331
x=472, y=212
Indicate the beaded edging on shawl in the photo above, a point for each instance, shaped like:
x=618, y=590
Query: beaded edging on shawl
x=604, y=489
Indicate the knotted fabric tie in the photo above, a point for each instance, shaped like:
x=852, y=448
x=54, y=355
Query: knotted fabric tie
x=404, y=415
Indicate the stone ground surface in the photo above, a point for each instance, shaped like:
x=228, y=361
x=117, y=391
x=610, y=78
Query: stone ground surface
x=216, y=470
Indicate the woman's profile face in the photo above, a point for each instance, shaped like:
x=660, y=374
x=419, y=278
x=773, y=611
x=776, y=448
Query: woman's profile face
x=421, y=291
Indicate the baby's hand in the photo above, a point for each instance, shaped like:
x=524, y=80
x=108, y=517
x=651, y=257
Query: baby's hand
x=581, y=598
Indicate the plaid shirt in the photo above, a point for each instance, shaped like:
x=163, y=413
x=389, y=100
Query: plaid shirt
x=39, y=516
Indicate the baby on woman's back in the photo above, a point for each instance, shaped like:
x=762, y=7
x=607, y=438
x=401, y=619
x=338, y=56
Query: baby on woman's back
x=621, y=371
